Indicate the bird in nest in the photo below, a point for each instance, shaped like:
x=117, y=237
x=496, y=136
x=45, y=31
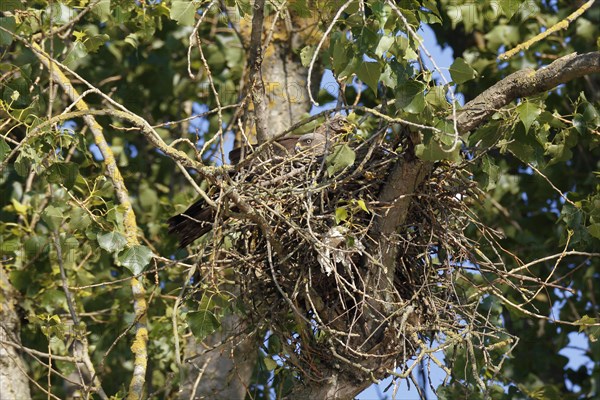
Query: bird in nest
x=198, y=219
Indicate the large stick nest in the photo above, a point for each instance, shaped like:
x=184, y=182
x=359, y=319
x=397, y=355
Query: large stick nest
x=308, y=259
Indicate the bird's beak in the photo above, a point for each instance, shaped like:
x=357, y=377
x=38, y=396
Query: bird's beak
x=297, y=148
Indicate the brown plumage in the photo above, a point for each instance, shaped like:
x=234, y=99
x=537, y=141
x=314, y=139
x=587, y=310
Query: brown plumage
x=280, y=148
x=197, y=220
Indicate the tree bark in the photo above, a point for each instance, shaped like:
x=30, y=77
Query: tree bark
x=280, y=98
x=13, y=379
x=526, y=83
x=221, y=366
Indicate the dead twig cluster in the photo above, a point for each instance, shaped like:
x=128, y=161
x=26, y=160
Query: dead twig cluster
x=315, y=271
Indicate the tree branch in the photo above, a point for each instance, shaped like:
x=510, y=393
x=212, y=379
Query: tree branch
x=408, y=174
x=525, y=83
x=139, y=346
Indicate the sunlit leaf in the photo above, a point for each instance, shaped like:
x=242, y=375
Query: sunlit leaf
x=306, y=55
x=269, y=363
x=183, y=11
x=4, y=149
x=9, y=24
x=341, y=214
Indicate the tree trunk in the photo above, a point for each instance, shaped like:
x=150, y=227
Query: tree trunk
x=13, y=379
x=226, y=370
x=222, y=364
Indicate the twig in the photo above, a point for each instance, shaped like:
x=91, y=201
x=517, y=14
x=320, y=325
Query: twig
x=564, y=24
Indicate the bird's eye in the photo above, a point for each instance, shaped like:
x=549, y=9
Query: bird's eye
x=308, y=141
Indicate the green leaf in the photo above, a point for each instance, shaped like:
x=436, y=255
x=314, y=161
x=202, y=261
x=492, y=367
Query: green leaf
x=122, y=15
x=369, y=72
x=384, y=44
x=35, y=245
x=588, y=324
x=306, y=55
x=76, y=55
x=339, y=53
x=594, y=230
x=113, y=242
x=9, y=24
x=436, y=97
x=363, y=206
x=133, y=40
x=94, y=42
x=135, y=258
x=4, y=149
x=502, y=35
x=491, y=170
x=586, y=29
x=410, y=54
x=202, y=323
x=183, y=11
x=102, y=10
x=244, y=7
x=22, y=165
x=270, y=364
x=80, y=35
x=63, y=172
x=20, y=208
x=53, y=217
x=11, y=5
x=434, y=152
x=528, y=113
x=579, y=123
x=417, y=105
x=510, y=7
x=341, y=214
x=407, y=91
x=341, y=157
x=300, y=8
x=388, y=77
x=79, y=219
x=461, y=72
x=591, y=114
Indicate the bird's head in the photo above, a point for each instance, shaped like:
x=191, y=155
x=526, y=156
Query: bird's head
x=337, y=125
x=316, y=143
x=311, y=144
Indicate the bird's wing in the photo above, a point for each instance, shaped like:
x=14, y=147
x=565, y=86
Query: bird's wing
x=280, y=147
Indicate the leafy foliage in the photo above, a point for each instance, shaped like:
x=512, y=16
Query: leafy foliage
x=536, y=164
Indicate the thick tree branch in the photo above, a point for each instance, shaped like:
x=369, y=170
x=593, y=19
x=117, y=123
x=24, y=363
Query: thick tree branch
x=257, y=86
x=526, y=83
x=405, y=177
x=408, y=174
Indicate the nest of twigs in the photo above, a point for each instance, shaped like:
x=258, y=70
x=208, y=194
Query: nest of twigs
x=308, y=259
